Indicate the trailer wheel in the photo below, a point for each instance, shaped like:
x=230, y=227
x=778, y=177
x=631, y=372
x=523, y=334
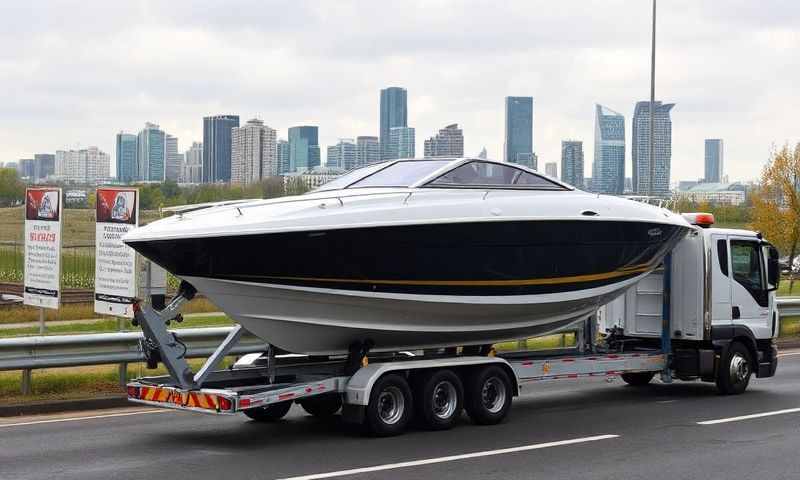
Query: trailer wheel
x=488, y=395
x=390, y=406
x=270, y=413
x=638, y=379
x=439, y=397
x=735, y=369
x=322, y=406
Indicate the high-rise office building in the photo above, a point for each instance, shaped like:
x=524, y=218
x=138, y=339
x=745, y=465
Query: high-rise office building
x=172, y=159
x=714, y=160
x=401, y=142
x=342, y=155
x=518, y=143
x=608, y=168
x=368, y=150
x=90, y=165
x=151, y=153
x=283, y=156
x=127, y=152
x=304, y=152
x=193, y=164
x=551, y=169
x=217, y=147
x=254, y=152
x=394, y=113
x=572, y=162
x=449, y=142
x=27, y=168
x=662, y=149
x=483, y=153
x=44, y=165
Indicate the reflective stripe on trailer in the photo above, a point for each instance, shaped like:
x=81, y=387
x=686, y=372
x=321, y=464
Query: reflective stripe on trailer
x=179, y=397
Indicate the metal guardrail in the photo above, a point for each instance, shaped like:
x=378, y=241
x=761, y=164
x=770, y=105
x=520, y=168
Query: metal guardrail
x=788, y=306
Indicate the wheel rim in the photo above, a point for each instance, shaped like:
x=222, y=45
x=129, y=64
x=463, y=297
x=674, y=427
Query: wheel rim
x=445, y=400
x=739, y=368
x=493, y=394
x=391, y=405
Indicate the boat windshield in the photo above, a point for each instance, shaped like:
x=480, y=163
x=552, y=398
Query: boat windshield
x=401, y=174
x=351, y=177
x=493, y=175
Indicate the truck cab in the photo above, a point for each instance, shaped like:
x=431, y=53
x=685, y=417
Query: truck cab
x=722, y=304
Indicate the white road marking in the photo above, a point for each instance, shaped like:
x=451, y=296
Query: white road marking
x=788, y=354
x=749, y=417
x=75, y=419
x=452, y=458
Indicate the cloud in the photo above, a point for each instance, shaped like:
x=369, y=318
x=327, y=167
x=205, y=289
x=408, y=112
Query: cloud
x=78, y=72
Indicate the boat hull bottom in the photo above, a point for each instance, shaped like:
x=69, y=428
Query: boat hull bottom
x=326, y=322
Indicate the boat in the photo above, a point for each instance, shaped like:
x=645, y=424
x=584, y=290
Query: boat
x=413, y=254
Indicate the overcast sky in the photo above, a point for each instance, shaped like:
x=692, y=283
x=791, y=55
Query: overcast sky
x=75, y=73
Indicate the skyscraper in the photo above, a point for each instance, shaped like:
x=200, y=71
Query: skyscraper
x=151, y=153
x=303, y=148
x=518, y=144
x=44, y=165
x=342, y=155
x=572, y=162
x=368, y=150
x=551, y=169
x=608, y=168
x=401, y=142
x=127, y=167
x=283, y=156
x=715, y=157
x=27, y=169
x=640, y=148
x=193, y=164
x=449, y=142
x=172, y=159
x=394, y=113
x=254, y=152
x=217, y=147
x=483, y=153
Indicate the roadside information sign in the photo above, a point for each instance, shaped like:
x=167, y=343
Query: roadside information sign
x=42, y=278
x=115, y=263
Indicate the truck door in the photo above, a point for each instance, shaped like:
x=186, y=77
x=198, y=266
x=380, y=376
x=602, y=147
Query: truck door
x=720, y=281
x=749, y=295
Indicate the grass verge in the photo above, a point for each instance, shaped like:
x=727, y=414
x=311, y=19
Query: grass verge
x=111, y=325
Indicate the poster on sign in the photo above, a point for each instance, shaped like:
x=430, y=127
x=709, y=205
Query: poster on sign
x=117, y=212
x=42, y=278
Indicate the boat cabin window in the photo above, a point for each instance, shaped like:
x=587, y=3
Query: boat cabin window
x=487, y=174
x=401, y=174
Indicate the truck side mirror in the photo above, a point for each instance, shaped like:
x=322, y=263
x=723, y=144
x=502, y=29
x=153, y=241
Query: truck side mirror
x=773, y=268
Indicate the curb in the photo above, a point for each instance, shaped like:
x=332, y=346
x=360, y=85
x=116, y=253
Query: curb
x=59, y=406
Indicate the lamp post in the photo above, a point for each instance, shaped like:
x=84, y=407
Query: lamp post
x=652, y=101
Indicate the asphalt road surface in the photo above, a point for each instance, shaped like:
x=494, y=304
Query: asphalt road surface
x=562, y=430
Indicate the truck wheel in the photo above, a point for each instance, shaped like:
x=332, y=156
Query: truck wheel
x=322, y=406
x=733, y=374
x=439, y=398
x=638, y=379
x=270, y=413
x=390, y=406
x=488, y=395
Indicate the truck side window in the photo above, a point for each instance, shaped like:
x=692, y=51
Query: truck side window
x=748, y=271
x=722, y=254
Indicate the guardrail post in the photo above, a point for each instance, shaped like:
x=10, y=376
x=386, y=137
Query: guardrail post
x=26, y=382
x=123, y=374
x=41, y=321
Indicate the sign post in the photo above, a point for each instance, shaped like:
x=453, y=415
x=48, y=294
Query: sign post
x=42, y=278
x=115, y=263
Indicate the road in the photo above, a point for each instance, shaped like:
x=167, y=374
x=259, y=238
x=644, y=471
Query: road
x=563, y=430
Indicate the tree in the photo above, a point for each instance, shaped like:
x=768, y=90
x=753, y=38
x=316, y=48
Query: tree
x=12, y=190
x=776, y=202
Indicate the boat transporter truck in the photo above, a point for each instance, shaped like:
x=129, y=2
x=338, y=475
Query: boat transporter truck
x=707, y=314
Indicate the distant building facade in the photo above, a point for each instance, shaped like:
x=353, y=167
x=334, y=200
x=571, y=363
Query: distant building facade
x=27, y=169
x=401, y=142
x=393, y=113
x=608, y=168
x=483, y=154
x=193, y=164
x=368, y=150
x=662, y=148
x=254, y=152
x=90, y=165
x=304, y=151
x=718, y=193
x=551, y=169
x=314, y=178
x=217, y=147
x=572, y=163
x=126, y=157
x=449, y=142
x=342, y=155
x=518, y=143
x=151, y=153
x=44, y=165
x=714, y=160
x=283, y=156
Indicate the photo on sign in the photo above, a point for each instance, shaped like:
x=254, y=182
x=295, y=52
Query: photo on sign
x=42, y=205
x=116, y=206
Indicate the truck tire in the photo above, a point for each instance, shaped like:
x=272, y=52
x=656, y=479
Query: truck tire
x=322, y=406
x=270, y=413
x=439, y=397
x=488, y=395
x=735, y=369
x=638, y=379
x=390, y=406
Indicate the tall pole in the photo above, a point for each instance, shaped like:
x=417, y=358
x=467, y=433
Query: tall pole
x=652, y=101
